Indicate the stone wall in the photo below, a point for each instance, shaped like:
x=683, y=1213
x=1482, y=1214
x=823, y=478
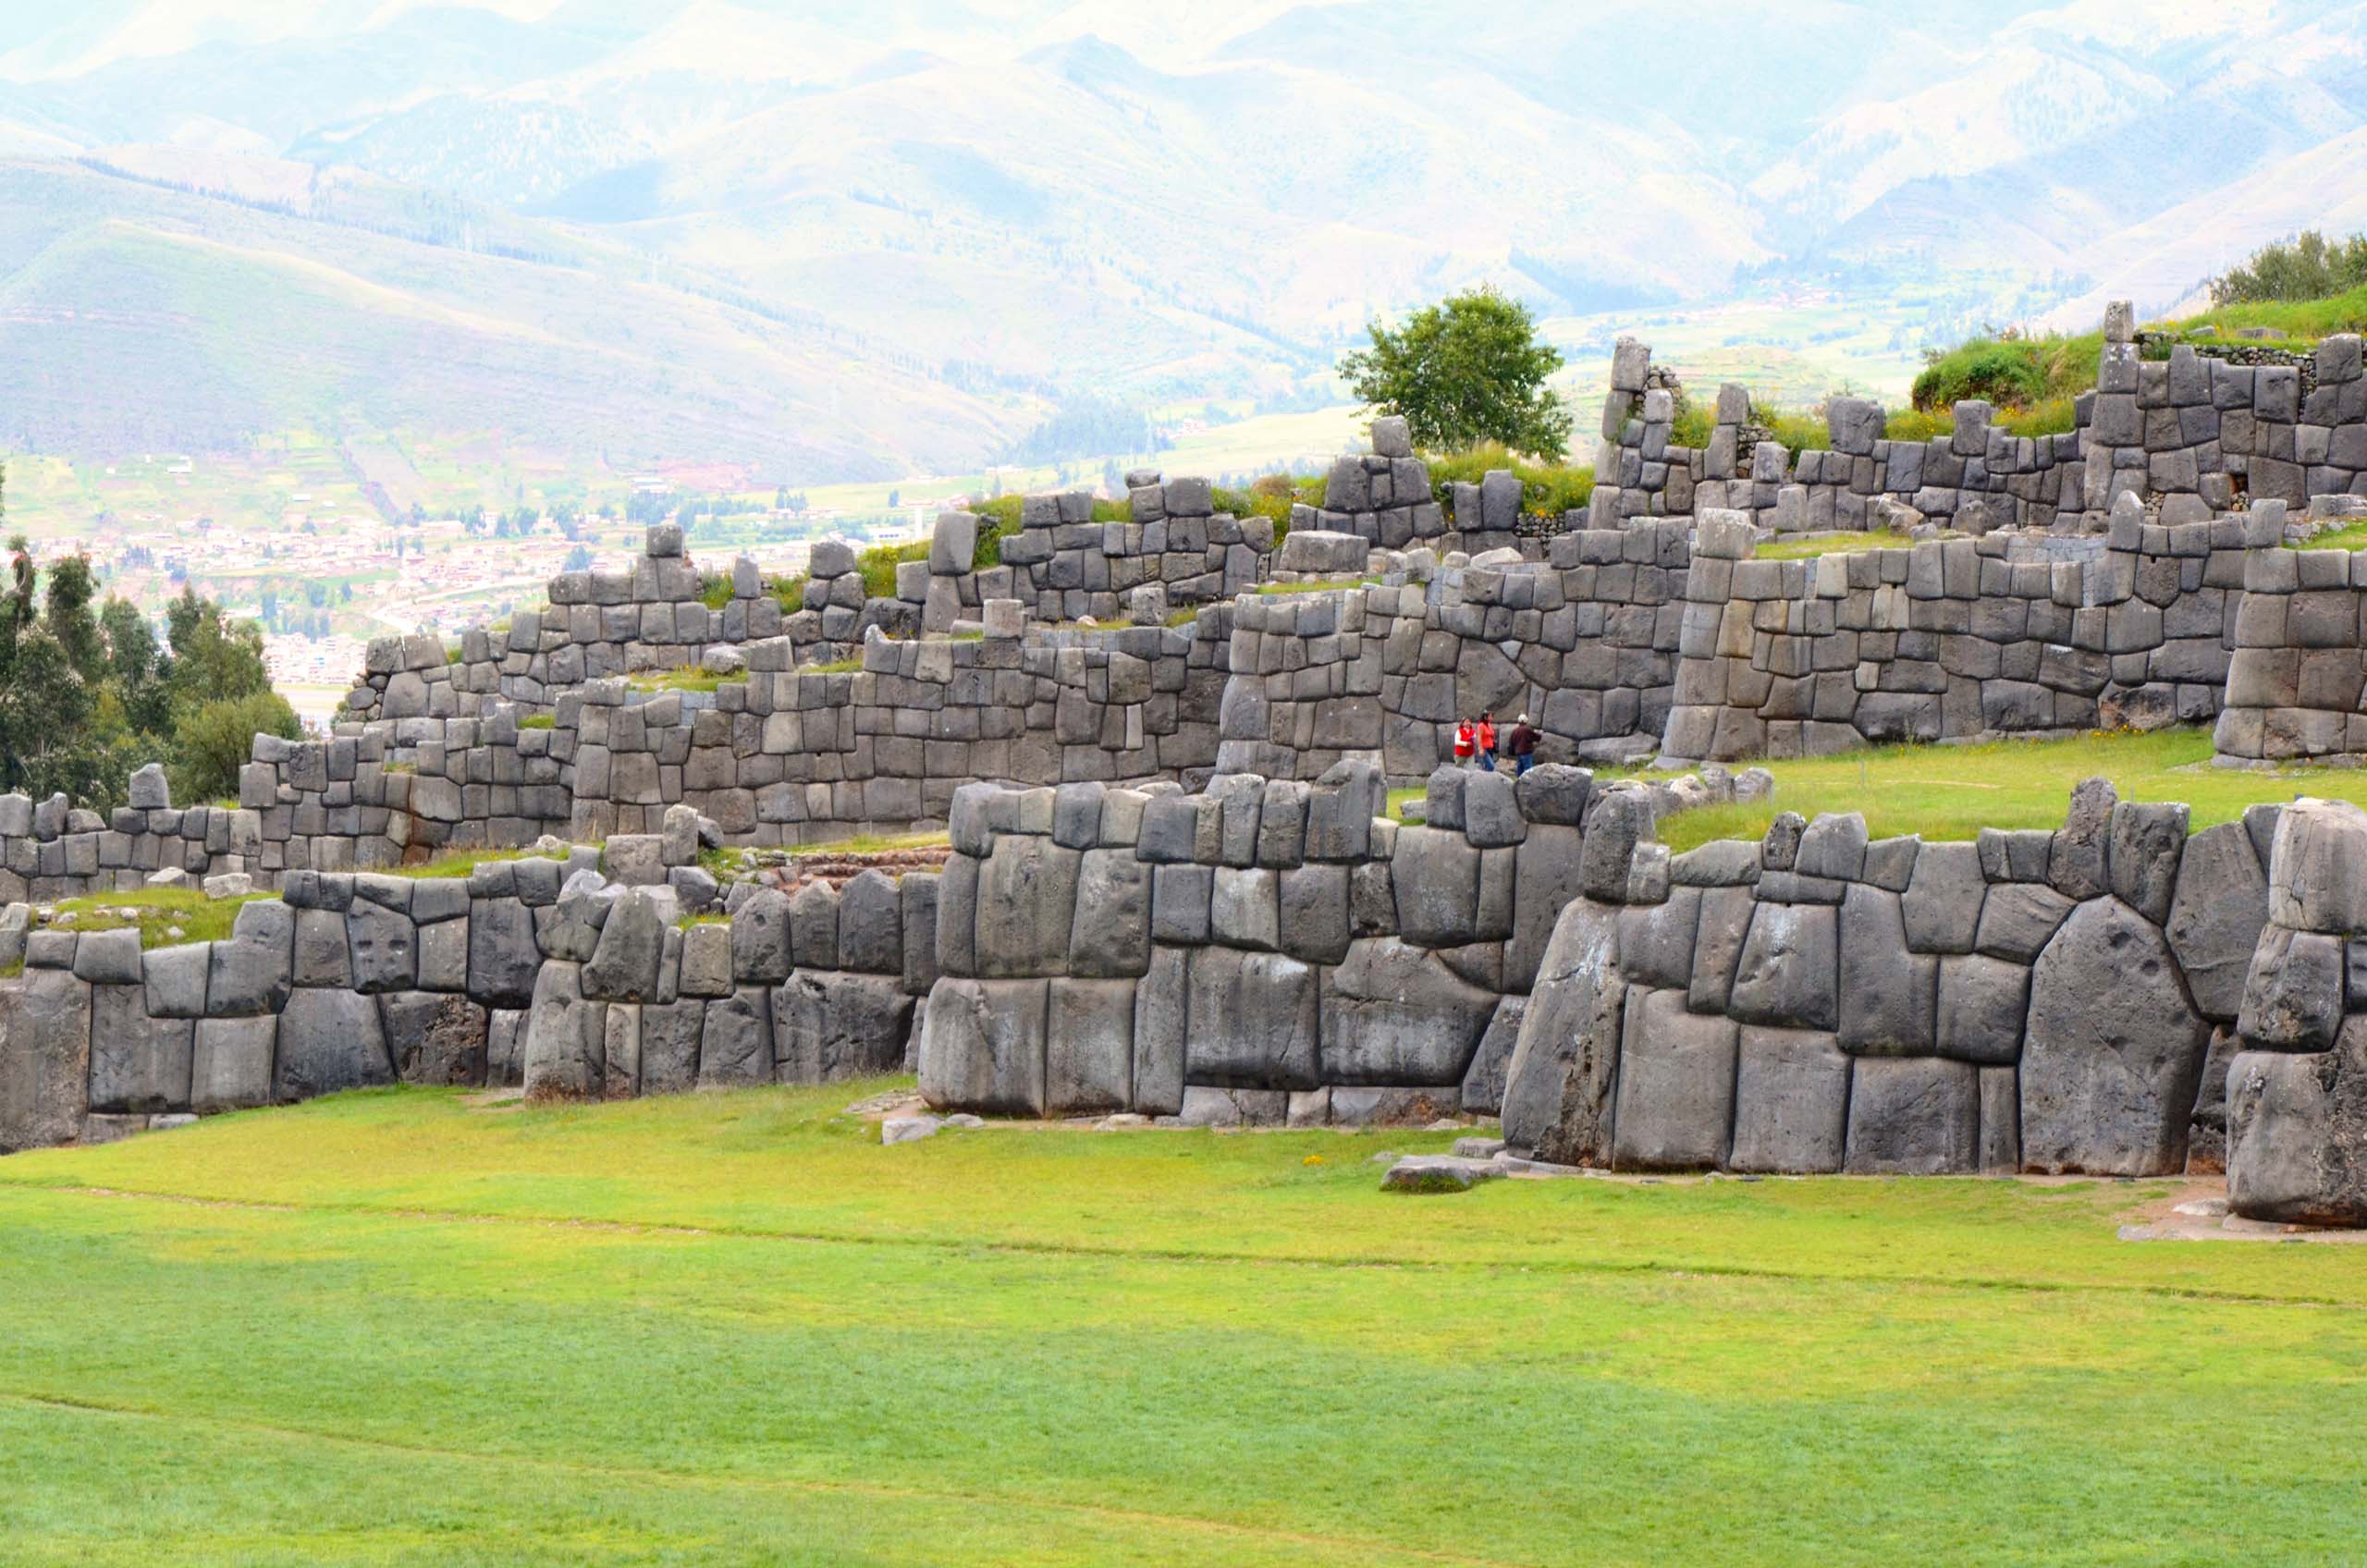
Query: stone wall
x=2039, y=1000
x=784, y=754
x=2003, y=635
x=2296, y=1107
x=533, y=972
x=1584, y=642
x=2301, y=657
x=649, y=615
x=1266, y=950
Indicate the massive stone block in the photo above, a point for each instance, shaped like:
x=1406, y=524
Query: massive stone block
x=384, y=945
x=2112, y=1051
x=1558, y=1091
x=566, y=1044
x=670, y=1046
x=1396, y=1014
x=330, y=1041
x=435, y=1037
x=982, y=1045
x=1110, y=936
x=1914, y=1116
x=1434, y=874
x=1789, y=970
x=1677, y=1085
x=2296, y=1132
x=1887, y=993
x=625, y=965
x=230, y=1064
x=736, y=1040
x=1088, y=1046
x=1791, y=1101
x=832, y=1024
x=503, y=955
x=45, y=1060
x=1252, y=1021
x=138, y=1063
x=1027, y=907
x=2216, y=914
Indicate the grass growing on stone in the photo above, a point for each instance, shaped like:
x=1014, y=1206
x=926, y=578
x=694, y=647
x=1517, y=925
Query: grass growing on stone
x=404, y=1327
x=459, y=863
x=1954, y=792
x=1808, y=546
x=1317, y=586
x=683, y=677
x=157, y=912
x=539, y=721
x=2351, y=536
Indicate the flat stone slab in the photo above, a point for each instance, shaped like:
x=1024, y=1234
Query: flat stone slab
x=1438, y=1173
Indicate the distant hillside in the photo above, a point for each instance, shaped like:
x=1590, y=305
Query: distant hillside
x=137, y=317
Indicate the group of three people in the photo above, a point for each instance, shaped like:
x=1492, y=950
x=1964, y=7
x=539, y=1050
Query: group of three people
x=1480, y=740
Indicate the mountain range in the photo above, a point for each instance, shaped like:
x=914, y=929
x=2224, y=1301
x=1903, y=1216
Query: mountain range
x=834, y=241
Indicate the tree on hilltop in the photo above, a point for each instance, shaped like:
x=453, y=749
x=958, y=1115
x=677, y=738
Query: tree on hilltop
x=1467, y=369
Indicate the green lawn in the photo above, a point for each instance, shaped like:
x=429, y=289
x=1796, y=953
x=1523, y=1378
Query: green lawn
x=1954, y=792
x=165, y=916
x=396, y=1328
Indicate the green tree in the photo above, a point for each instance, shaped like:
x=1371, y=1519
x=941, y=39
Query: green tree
x=213, y=739
x=1471, y=369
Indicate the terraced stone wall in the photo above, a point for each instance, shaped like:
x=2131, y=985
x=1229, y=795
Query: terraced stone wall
x=2295, y=680
x=2003, y=634
x=1583, y=640
x=786, y=752
x=533, y=972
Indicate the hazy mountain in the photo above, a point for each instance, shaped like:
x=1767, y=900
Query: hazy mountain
x=920, y=209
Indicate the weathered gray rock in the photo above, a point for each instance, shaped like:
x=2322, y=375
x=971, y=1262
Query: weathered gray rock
x=871, y=924
x=2147, y=840
x=813, y=926
x=1395, y=1014
x=138, y=1063
x=108, y=958
x=176, y=980
x=1832, y=846
x=1656, y=941
x=1617, y=822
x=1788, y=974
x=230, y=1064
x=2017, y=919
x=760, y=940
x=566, y=1041
x=435, y=1037
x=670, y=1046
x=2296, y=1133
x=383, y=944
x=1791, y=1101
x=330, y=1041
x=1677, y=1085
x=1252, y=1019
x=1314, y=911
x=1555, y=793
x=249, y=974
x=1483, y=1081
x=1027, y=907
x=1914, y=1116
x=1109, y=936
x=2076, y=862
x=982, y=1047
x=1163, y=1003
x=2216, y=914
x=1887, y=993
x=503, y=956
x=1088, y=1046
x=1942, y=901
x=2112, y=1051
x=736, y=1040
x=828, y=1026
x=1434, y=875
x=625, y=966
x=2317, y=879
x=1491, y=816
x=2293, y=995
x=1558, y=1090
x=1982, y=1004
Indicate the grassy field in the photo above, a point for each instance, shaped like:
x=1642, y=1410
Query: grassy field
x=398, y=1328
x=1954, y=792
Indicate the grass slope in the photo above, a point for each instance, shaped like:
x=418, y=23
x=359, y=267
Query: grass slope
x=394, y=1328
x=1954, y=792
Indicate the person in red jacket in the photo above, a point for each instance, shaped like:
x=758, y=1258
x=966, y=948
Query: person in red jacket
x=1466, y=741
x=1486, y=740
